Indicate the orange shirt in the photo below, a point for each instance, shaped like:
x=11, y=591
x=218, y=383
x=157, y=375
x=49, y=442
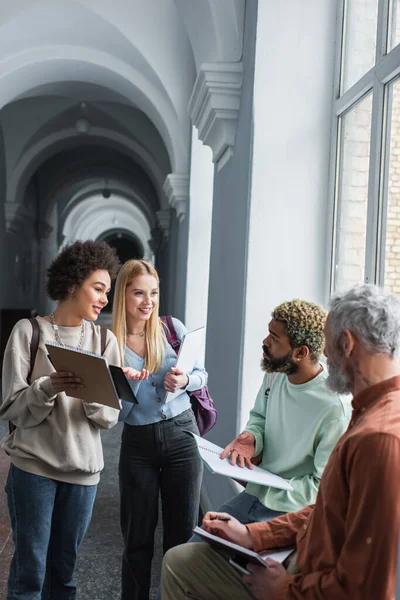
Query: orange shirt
x=347, y=542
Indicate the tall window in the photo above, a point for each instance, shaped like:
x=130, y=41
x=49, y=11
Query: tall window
x=366, y=232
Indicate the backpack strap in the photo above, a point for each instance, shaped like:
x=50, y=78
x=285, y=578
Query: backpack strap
x=34, y=344
x=103, y=339
x=171, y=332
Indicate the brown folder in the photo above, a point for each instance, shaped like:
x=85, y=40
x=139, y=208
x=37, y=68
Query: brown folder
x=103, y=383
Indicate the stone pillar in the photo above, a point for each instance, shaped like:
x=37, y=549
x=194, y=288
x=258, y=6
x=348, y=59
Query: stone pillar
x=225, y=96
x=176, y=188
x=48, y=244
x=200, y=215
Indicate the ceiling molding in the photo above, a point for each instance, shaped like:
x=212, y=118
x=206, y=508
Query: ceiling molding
x=214, y=107
x=164, y=221
x=176, y=188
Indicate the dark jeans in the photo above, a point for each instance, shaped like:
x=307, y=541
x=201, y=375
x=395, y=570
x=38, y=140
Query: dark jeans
x=246, y=509
x=155, y=458
x=49, y=520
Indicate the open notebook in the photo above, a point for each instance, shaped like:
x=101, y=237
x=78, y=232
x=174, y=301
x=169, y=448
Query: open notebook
x=239, y=551
x=210, y=453
x=103, y=383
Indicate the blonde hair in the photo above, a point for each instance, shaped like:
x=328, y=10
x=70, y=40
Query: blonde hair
x=155, y=337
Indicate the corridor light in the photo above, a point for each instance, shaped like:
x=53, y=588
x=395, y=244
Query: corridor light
x=82, y=126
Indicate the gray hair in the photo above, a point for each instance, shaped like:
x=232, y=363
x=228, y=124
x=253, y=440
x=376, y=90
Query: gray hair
x=372, y=314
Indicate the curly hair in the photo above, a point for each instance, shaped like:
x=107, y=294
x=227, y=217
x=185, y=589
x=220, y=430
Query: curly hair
x=304, y=325
x=75, y=263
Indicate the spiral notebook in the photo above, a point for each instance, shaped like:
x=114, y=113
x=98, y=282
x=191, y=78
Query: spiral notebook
x=210, y=453
x=103, y=383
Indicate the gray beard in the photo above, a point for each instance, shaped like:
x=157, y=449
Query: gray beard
x=338, y=381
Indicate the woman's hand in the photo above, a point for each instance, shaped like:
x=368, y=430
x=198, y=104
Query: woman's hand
x=135, y=375
x=228, y=528
x=65, y=382
x=175, y=379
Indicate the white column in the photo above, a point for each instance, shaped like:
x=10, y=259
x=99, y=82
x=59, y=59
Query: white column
x=289, y=198
x=176, y=188
x=228, y=131
x=48, y=241
x=200, y=214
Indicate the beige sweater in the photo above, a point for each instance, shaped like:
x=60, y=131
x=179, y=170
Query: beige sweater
x=56, y=436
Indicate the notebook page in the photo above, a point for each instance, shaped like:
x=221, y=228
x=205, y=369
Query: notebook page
x=210, y=453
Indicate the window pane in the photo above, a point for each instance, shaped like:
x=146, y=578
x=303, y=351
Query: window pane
x=392, y=242
x=394, y=25
x=359, y=40
x=353, y=194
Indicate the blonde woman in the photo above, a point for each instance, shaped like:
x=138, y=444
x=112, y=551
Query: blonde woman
x=157, y=455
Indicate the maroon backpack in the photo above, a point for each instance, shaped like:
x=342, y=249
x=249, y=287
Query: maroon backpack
x=201, y=401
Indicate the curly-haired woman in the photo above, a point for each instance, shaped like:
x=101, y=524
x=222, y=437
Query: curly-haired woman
x=55, y=449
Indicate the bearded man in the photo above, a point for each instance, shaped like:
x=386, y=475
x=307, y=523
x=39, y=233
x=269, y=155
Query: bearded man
x=296, y=420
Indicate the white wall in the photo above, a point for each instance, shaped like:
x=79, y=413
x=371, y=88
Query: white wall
x=288, y=215
x=200, y=215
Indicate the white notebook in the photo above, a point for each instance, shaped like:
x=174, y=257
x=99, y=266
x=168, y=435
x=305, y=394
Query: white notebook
x=191, y=350
x=249, y=555
x=210, y=453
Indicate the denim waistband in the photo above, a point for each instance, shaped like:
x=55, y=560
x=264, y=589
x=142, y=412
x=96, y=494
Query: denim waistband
x=187, y=412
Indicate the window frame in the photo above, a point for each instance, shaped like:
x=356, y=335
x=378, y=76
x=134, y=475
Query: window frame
x=376, y=81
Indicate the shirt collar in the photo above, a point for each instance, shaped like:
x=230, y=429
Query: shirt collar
x=368, y=396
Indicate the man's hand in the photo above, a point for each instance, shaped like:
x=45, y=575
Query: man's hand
x=241, y=449
x=262, y=581
x=65, y=382
x=228, y=528
x=175, y=379
x=134, y=374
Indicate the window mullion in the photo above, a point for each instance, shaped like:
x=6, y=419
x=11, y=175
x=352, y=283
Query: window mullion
x=384, y=191
x=335, y=154
x=374, y=181
x=382, y=30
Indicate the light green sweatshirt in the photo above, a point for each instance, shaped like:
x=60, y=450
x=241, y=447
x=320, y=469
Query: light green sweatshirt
x=296, y=427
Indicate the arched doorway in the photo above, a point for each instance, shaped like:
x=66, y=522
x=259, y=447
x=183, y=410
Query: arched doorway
x=127, y=246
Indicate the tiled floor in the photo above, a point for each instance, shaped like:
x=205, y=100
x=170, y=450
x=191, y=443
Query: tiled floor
x=100, y=555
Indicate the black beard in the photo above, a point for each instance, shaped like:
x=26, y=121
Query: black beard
x=284, y=365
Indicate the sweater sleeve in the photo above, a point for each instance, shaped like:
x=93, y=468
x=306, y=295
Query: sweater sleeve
x=198, y=377
x=105, y=417
x=24, y=404
x=368, y=557
x=256, y=422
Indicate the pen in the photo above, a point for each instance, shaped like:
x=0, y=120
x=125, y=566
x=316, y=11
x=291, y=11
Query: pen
x=222, y=519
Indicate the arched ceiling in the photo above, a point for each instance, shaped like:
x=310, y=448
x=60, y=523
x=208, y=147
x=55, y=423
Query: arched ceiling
x=142, y=56
x=110, y=45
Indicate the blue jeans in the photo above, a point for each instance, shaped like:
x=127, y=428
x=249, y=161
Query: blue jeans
x=49, y=520
x=156, y=458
